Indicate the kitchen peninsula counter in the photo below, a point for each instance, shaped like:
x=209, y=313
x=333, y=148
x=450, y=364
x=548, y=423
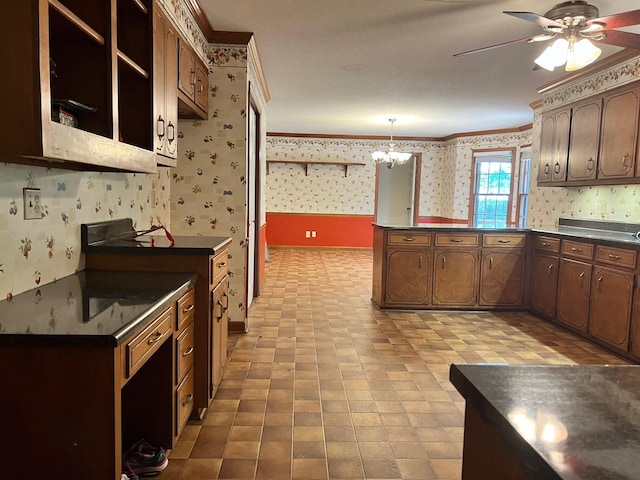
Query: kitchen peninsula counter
x=550, y=422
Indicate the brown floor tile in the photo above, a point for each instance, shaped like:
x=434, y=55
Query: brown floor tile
x=327, y=387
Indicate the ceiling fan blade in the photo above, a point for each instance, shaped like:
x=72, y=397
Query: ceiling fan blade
x=622, y=39
x=619, y=20
x=535, y=18
x=520, y=40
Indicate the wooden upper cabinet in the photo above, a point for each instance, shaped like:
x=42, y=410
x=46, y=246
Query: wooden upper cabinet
x=93, y=61
x=165, y=88
x=584, y=142
x=193, y=83
x=619, y=134
x=554, y=146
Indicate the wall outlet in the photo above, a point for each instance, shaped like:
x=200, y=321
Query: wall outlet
x=32, y=203
x=313, y=234
x=307, y=234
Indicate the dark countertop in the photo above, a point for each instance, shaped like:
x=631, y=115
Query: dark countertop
x=567, y=422
x=90, y=308
x=119, y=236
x=454, y=227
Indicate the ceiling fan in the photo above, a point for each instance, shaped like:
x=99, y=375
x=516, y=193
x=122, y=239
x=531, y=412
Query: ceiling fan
x=574, y=25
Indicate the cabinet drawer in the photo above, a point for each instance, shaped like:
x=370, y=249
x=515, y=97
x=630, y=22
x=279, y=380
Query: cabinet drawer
x=456, y=239
x=148, y=341
x=577, y=249
x=184, y=401
x=548, y=244
x=219, y=267
x=504, y=240
x=184, y=352
x=409, y=238
x=616, y=256
x=186, y=309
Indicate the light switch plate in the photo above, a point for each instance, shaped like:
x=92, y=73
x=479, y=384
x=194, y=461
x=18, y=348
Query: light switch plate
x=32, y=203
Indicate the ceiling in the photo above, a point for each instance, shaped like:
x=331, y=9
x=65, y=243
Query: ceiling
x=346, y=66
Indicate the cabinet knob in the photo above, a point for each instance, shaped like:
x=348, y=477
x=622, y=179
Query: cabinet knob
x=550, y=268
x=171, y=132
x=160, y=127
x=547, y=169
x=556, y=168
x=490, y=263
x=591, y=164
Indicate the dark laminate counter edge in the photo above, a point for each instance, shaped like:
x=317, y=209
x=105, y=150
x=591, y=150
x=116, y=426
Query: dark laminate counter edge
x=524, y=451
x=183, y=246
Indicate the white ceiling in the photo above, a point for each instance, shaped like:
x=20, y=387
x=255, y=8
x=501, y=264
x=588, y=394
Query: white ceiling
x=347, y=66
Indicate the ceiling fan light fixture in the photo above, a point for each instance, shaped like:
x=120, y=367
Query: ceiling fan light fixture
x=390, y=156
x=554, y=55
x=581, y=54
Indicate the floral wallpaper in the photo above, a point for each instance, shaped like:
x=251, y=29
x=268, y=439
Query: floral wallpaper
x=36, y=252
x=618, y=202
x=444, y=183
x=208, y=188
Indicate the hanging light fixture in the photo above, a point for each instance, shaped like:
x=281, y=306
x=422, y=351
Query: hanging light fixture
x=391, y=156
x=575, y=53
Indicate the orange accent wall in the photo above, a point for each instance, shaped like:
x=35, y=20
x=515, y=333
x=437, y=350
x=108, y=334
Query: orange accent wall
x=289, y=229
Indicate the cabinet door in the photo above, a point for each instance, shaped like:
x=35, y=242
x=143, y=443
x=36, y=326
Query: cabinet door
x=165, y=86
x=561, y=146
x=407, y=278
x=583, y=147
x=501, y=278
x=544, y=283
x=186, y=69
x=611, y=297
x=574, y=285
x=455, y=277
x=546, y=148
x=619, y=135
x=220, y=328
x=202, y=86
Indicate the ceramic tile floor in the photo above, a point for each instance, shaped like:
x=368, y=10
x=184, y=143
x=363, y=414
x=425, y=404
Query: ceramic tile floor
x=325, y=386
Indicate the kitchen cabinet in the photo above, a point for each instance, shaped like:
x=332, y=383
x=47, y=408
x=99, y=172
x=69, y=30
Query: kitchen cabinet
x=92, y=60
x=502, y=269
x=554, y=146
x=544, y=275
x=455, y=269
x=220, y=320
x=206, y=257
x=619, y=134
x=584, y=141
x=165, y=69
x=574, y=287
x=184, y=349
x=612, y=288
x=193, y=83
x=94, y=380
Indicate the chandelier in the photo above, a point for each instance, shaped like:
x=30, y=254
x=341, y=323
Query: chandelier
x=390, y=156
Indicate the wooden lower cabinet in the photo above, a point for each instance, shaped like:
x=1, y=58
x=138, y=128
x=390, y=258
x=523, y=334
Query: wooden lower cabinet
x=610, y=308
x=407, y=279
x=501, y=279
x=455, y=277
x=544, y=284
x=220, y=328
x=574, y=286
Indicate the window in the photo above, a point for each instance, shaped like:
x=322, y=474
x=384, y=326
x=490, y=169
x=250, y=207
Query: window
x=523, y=187
x=491, y=191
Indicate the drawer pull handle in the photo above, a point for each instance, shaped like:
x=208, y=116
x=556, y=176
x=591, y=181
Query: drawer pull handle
x=556, y=169
x=455, y=240
x=504, y=240
x=490, y=263
x=222, y=265
x=157, y=337
x=188, y=309
x=444, y=262
x=187, y=400
x=614, y=257
x=599, y=280
x=574, y=249
x=546, y=244
x=547, y=169
x=550, y=267
x=409, y=239
x=590, y=165
x=187, y=352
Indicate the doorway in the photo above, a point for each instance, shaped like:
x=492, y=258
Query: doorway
x=397, y=197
